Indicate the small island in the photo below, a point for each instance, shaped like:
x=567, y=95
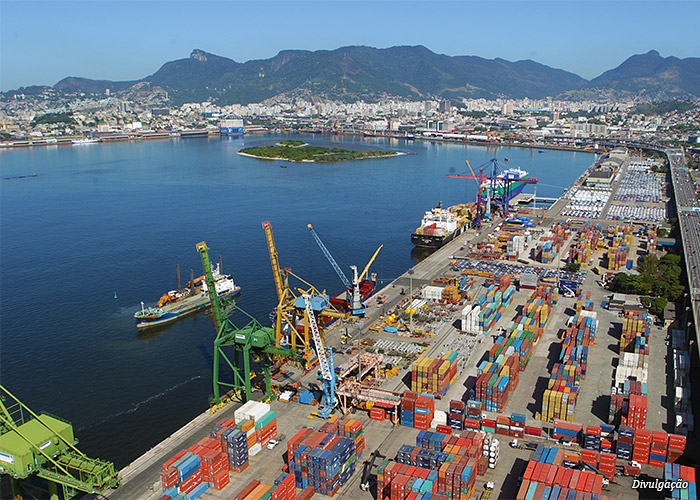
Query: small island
x=295, y=153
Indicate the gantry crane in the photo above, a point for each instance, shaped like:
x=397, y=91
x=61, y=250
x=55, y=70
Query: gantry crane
x=291, y=309
x=479, y=182
x=506, y=179
x=253, y=340
x=44, y=446
x=325, y=362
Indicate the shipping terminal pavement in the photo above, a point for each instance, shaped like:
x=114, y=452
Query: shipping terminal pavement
x=141, y=479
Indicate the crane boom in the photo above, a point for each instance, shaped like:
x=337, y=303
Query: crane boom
x=330, y=258
x=364, y=272
x=320, y=349
x=274, y=259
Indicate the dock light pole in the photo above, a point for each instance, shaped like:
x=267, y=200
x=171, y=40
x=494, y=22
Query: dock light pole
x=410, y=301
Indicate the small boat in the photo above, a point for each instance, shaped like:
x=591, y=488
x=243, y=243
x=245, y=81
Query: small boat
x=283, y=166
x=178, y=303
x=84, y=140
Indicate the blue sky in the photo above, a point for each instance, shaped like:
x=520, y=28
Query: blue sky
x=42, y=42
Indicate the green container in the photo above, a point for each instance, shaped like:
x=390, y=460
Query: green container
x=268, y=494
x=266, y=419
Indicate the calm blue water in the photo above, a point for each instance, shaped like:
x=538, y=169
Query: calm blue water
x=116, y=218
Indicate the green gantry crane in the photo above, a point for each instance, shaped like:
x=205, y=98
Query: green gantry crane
x=251, y=340
x=44, y=446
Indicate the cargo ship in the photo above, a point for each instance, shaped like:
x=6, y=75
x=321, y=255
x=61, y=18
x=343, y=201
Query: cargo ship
x=438, y=227
x=178, y=303
x=500, y=184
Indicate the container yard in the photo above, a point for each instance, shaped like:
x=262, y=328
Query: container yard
x=485, y=371
x=486, y=353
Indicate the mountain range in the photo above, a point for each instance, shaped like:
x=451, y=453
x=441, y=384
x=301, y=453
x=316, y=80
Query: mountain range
x=411, y=72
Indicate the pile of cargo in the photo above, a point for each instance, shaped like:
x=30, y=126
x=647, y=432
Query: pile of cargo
x=417, y=410
x=599, y=438
x=494, y=303
x=587, y=242
x=283, y=489
x=552, y=242
x=621, y=241
x=560, y=397
x=182, y=477
x=628, y=395
x=680, y=474
x=515, y=246
x=647, y=447
x=567, y=431
x=652, y=240
x=470, y=319
x=499, y=372
x=681, y=368
x=636, y=327
x=323, y=461
x=537, y=309
x=546, y=476
x=440, y=466
x=434, y=375
x=492, y=391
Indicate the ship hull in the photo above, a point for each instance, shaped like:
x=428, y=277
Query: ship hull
x=429, y=241
x=182, y=308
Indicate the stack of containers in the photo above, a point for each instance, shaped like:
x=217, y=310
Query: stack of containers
x=408, y=408
x=625, y=440
x=652, y=237
x=528, y=281
x=214, y=463
x=323, y=461
x=642, y=445
x=516, y=245
x=432, y=375
x=606, y=464
x=517, y=425
x=592, y=438
x=681, y=365
x=582, y=249
x=680, y=474
x=619, y=246
x=659, y=448
x=352, y=429
x=424, y=409
x=285, y=488
x=567, y=430
x=456, y=414
x=235, y=444
x=607, y=438
x=255, y=489
x=492, y=391
x=676, y=447
x=636, y=327
x=560, y=397
x=470, y=319
x=189, y=479
x=636, y=412
x=266, y=428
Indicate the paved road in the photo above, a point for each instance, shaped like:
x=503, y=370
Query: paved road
x=689, y=223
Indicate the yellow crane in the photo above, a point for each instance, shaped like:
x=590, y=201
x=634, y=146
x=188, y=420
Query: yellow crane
x=291, y=308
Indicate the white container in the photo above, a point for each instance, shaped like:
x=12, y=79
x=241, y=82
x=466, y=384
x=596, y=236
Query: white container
x=255, y=449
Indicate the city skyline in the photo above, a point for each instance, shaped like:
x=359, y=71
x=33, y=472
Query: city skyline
x=44, y=42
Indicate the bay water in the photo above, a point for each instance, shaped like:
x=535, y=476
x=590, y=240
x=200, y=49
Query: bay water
x=102, y=226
